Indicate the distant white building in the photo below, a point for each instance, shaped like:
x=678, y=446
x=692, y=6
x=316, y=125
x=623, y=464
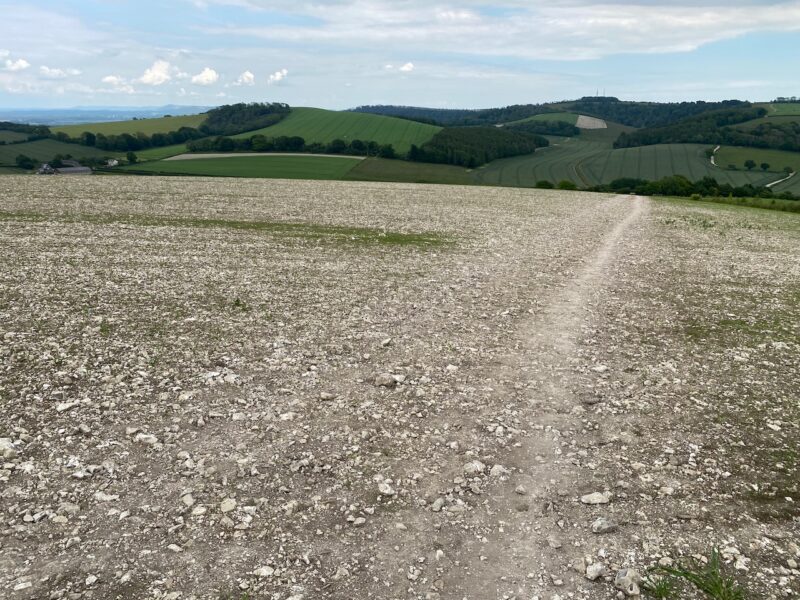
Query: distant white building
x=112, y=162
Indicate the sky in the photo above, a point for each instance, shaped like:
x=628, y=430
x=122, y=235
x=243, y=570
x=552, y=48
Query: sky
x=345, y=53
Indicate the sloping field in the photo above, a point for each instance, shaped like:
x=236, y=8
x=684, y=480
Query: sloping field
x=324, y=126
x=564, y=117
x=162, y=152
x=379, y=169
x=12, y=136
x=256, y=166
x=585, y=122
x=43, y=150
x=592, y=163
x=336, y=390
x=777, y=160
x=147, y=126
x=788, y=109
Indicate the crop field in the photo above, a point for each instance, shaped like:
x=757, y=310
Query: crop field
x=161, y=153
x=147, y=126
x=219, y=388
x=12, y=136
x=587, y=163
x=565, y=117
x=46, y=149
x=318, y=125
x=379, y=169
x=271, y=167
x=776, y=159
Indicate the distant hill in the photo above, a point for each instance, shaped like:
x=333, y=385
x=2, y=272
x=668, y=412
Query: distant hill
x=146, y=126
x=72, y=116
x=324, y=126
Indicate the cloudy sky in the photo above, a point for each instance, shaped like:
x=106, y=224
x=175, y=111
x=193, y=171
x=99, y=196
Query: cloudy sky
x=342, y=53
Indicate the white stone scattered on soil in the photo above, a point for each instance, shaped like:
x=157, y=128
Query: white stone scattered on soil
x=596, y=498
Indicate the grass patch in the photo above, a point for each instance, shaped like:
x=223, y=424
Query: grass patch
x=355, y=235
x=161, y=153
x=268, y=167
x=708, y=578
x=765, y=203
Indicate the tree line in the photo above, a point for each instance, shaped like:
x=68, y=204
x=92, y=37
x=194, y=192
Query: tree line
x=456, y=117
x=678, y=185
x=561, y=128
x=262, y=143
x=647, y=114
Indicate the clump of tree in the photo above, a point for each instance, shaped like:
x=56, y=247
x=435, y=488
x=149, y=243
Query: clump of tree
x=232, y=119
x=561, y=128
x=720, y=128
x=457, y=117
x=25, y=162
x=262, y=143
x=475, y=146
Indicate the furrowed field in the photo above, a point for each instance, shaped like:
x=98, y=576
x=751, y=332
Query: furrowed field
x=238, y=388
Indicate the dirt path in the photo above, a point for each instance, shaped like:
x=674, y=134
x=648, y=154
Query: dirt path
x=532, y=537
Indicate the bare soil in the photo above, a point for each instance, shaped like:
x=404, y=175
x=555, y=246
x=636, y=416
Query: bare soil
x=227, y=389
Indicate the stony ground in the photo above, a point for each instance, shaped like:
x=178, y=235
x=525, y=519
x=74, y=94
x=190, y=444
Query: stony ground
x=248, y=389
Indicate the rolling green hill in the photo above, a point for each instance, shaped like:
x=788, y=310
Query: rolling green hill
x=324, y=126
x=147, y=126
x=43, y=150
x=591, y=163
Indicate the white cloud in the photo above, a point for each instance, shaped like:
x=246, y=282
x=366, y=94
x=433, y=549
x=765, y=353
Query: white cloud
x=246, y=78
x=17, y=65
x=407, y=68
x=4, y=53
x=529, y=29
x=158, y=74
x=49, y=73
x=207, y=76
x=118, y=84
x=278, y=76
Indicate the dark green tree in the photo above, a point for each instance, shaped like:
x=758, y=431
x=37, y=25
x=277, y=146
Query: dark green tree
x=25, y=162
x=765, y=166
x=750, y=164
x=132, y=158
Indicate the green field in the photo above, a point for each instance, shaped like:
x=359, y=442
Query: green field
x=12, y=136
x=324, y=126
x=146, y=126
x=777, y=159
x=161, y=153
x=588, y=163
x=271, y=167
x=11, y=171
x=788, y=109
x=44, y=150
x=379, y=169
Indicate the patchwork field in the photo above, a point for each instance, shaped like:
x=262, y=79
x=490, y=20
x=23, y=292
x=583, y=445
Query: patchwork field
x=147, y=126
x=787, y=109
x=318, y=125
x=240, y=388
x=253, y=165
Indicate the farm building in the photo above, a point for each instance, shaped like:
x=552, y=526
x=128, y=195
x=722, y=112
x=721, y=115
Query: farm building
x=70, y=167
